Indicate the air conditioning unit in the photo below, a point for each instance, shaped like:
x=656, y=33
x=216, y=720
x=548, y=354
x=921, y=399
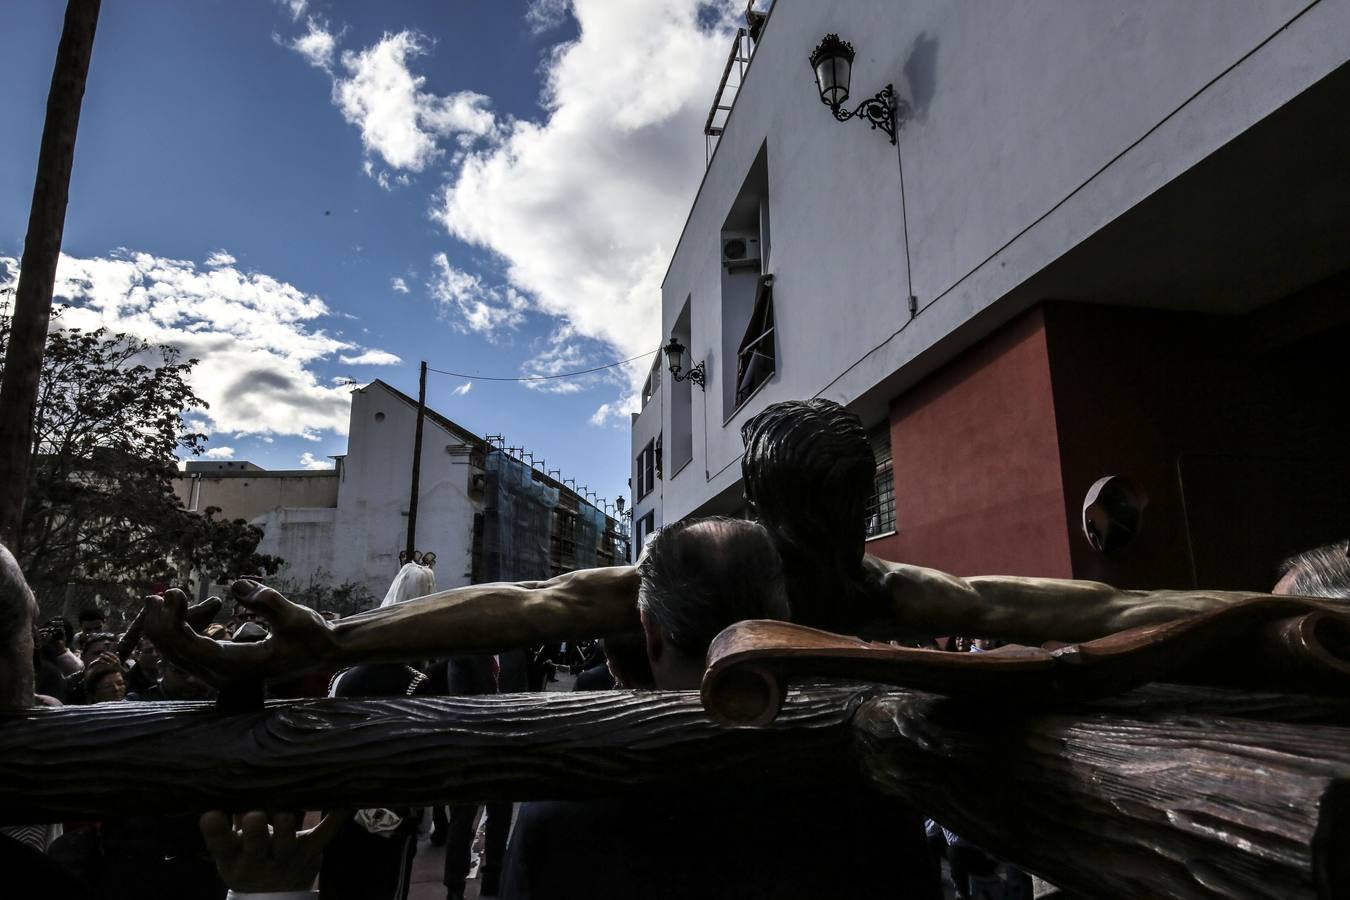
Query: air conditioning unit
x=740, y=249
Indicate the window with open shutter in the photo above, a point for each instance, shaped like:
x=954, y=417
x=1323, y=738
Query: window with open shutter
x=756, y=360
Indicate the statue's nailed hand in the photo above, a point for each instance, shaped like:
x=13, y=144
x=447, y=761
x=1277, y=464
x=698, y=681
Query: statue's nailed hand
x=299, y=640
x=262, y=852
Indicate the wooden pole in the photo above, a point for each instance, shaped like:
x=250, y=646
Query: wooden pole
x=1165, y=792
x=147, y=759
x=417, y=461
x=37, y=273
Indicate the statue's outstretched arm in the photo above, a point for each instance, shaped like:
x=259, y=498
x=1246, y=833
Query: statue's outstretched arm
x=480, y=618
x=1030, y=610
x=486, y=618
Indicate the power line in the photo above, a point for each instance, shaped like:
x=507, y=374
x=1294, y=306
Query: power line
x=545, y=377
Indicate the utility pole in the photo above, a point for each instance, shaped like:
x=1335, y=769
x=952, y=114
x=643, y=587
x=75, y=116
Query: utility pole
x=37, y=272
x=417, y=460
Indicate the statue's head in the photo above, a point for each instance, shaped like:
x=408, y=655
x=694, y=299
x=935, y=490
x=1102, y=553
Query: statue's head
x=808, y=472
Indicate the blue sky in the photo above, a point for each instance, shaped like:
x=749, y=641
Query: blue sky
x=297, y=192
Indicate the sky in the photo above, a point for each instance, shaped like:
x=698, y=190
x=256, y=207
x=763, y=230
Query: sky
x=302, y=194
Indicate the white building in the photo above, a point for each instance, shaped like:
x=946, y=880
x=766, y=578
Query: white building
x=1112, y=238
x=485, y=514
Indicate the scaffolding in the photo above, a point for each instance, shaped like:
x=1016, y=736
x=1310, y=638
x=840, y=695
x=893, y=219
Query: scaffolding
x=741, y=49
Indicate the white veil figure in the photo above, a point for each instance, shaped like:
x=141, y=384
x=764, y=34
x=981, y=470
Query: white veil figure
x=413, y=580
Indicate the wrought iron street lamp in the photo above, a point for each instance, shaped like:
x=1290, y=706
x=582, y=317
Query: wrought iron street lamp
x=832, y=61
x=675, y=356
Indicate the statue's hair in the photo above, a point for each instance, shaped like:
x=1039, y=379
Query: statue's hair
x=1320, y=572
x=808, y=472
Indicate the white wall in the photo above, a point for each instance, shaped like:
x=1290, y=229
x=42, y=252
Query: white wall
x=1034, y=123
x=302, y=536
x=360, y=539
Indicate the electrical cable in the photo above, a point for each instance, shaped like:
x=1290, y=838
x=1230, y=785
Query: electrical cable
x=545, y=377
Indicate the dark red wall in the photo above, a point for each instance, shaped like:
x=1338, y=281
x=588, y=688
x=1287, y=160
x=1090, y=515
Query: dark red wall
x=1234, y=431
x=1234, y=426
x=976, y=460
x=1134, y=389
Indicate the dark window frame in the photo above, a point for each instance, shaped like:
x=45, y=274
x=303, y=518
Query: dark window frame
x=757, y=356
x=880, y=513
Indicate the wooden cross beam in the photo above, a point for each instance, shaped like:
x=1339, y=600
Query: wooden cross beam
x=1166, y=791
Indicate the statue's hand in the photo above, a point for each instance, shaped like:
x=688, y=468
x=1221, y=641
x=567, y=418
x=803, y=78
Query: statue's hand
x=300, y=639
x=262, y=852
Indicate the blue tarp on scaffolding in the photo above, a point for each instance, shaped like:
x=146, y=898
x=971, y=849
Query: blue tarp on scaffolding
x=590, y=531
x=517, y=521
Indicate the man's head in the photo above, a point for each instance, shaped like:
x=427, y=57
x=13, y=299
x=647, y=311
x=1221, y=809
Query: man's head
x=94, y=644
x=18, y=611
x=1323, y=572
x=105, y=684
x=92, y=619
x=148, y=658
x=698, y=577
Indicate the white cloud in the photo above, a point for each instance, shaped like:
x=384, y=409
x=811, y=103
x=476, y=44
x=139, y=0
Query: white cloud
x=220, y=453
x=295, y=7
x=398, y=286
x=563, y=353
x=400, y=121
x=470, y=305
x=371, y=358
x=585, y=208
x=463, y=389
x=256, y=337
x=317, y=45
x=220, y=258
x=546, y=15
x=618, y=410
x=310, y=461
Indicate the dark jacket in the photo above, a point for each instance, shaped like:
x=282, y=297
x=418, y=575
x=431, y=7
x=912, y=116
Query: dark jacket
x=756, y=842
x=470, y=676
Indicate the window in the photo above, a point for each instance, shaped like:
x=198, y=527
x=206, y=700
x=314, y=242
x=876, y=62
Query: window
x=747, y=345
x=646, y=525
x=755, y=359
x=646, y=470
x=653, y=381
x=881, y=505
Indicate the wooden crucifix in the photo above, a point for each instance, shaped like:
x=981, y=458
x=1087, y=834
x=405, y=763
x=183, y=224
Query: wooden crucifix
x=807, y=472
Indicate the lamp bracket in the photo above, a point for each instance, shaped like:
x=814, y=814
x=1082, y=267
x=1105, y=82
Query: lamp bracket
x=695, y=375
x=881, y=111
